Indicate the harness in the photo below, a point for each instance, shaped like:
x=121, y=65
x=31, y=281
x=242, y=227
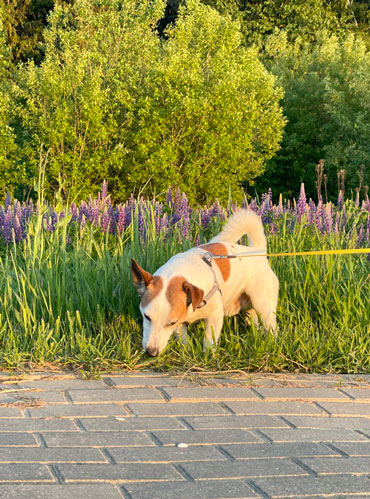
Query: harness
x=207, y=259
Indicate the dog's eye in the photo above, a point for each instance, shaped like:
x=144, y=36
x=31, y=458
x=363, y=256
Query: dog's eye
x=172, y=323
x=147, y=318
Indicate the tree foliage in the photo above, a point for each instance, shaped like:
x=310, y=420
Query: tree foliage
x=112, y=101
x=327, y=104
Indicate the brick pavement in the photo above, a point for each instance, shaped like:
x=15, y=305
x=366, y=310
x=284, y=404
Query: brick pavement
x=246, y=437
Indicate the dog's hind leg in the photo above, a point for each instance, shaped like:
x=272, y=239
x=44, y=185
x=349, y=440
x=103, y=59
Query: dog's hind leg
x=181, y=333
x=213, y=330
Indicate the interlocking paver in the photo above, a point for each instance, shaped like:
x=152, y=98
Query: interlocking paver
x=118, y=472
x=347, y=409
x=339, y=465
x=309, y=486
x=314, y=435
x=213, y=437
x=36, y=425
x=206, y=393
x=243, y=469
x=330, y=422
x=178, y=409
x=25, y=473
x=78, y=410
x=131, y=423
x=45, y=455
x=50, y=397
x=116, y=395
x=165, y=454
x=277, y=408
x=210, y=489
x=358, y=393
x=96, y=439
x=63, y=384
x=275, y=393
x=145, y=381
x=301, y=449
x=10, y=412
x=17, y=439
x=87, y=439
x=56, y=491
x=237, y=422
x=354, y=448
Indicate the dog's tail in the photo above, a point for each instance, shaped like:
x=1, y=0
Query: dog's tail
x=240, y=223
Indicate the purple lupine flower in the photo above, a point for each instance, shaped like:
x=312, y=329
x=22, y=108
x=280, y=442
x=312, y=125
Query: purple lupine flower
x=177, y=203
x=205, y=217
x=8, y=202
x=360, y=236
x=104, y=221
x=74, y=212
x=169, y=199
x=253, y=205
x=104, y=191
x=121, y=219
x=301, y=204
x=244, y=204
x=340, y=200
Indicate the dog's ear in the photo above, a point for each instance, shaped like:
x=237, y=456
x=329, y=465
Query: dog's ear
x=194, y=295
x=140, y=277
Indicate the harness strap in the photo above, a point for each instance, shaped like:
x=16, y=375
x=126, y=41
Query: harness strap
x=207, y=258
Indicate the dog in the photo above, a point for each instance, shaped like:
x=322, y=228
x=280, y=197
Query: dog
x=193, y=286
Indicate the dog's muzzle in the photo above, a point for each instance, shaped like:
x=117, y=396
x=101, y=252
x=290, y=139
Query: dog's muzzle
x=152, y=351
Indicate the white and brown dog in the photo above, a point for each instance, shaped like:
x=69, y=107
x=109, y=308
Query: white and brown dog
x=193, y=286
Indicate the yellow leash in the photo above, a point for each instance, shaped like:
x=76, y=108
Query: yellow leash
x=297, y=253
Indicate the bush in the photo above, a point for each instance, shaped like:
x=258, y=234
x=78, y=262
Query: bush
x=113, y=101
x=327, y=96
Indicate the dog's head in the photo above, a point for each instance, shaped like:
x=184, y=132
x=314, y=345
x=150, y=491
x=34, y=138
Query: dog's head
x=164, y=305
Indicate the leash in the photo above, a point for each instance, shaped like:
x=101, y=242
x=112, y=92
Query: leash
x=294, y=253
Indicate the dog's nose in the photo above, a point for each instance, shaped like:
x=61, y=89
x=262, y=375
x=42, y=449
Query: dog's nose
x=152, y=351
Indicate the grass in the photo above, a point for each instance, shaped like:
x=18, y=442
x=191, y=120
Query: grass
x=66, y=298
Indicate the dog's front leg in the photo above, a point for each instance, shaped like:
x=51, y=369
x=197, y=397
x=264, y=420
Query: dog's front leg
x=182, y=334
x=213, y=330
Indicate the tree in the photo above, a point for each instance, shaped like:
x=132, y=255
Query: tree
x=113, y=101
x=10, y=173
x=327, y=96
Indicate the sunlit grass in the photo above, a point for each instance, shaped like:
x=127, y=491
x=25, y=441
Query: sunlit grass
x=67, y=298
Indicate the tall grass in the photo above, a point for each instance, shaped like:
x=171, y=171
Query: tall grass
x=66, y=298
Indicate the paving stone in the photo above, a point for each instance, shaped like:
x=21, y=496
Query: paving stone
x=274, y=408
x=10, y=412
x=358, y=393
x=290, y=393
x=178, y=409
x=32, y=425
x=314, y=435
x=116, y=395
x=242, y=422
x=301, y=449
x=118, y=472
x=145, y=381
x=56, y=491
x=330, y=422
x=204, y=437
x=207, y=393
x=44, y=396
x=354, y=448
x=63, y=384
x=24, y=472
x=309, y=486
x=210, y=489
x=165, y=454
x=45, y=455
x=242, y=469
x=78, y=410
x=339, y=465
x=131, y=423
x=17, y=439
x=96, y=439
x=347, y=409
